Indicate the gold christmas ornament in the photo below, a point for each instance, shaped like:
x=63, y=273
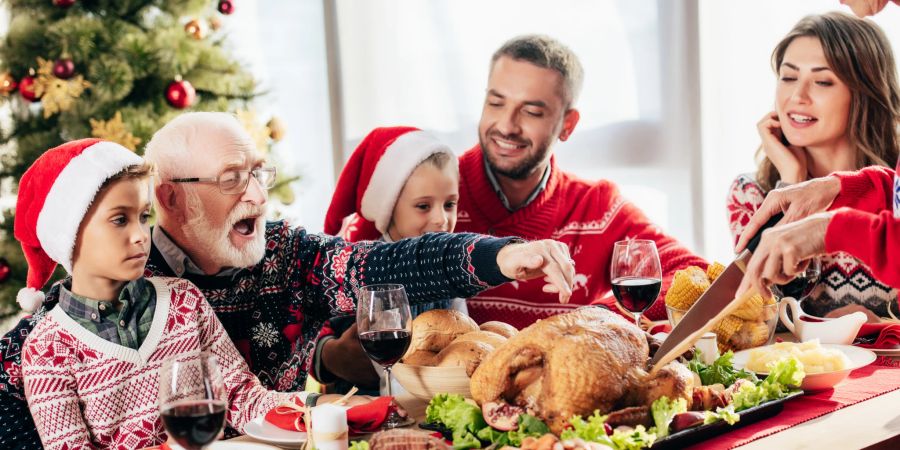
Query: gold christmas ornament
x=194, y=28
x=56, y=94
x=114, y=130
x=258, y=133
x=276, y=129
x=7, y=84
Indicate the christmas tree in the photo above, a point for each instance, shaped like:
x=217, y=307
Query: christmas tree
x=113, y=69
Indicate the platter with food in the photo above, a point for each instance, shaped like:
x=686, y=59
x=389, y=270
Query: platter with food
x=581, y=379
x=825, y=365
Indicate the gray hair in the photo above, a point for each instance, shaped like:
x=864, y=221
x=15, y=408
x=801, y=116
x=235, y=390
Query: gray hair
x=171, y=147
x=544, y=51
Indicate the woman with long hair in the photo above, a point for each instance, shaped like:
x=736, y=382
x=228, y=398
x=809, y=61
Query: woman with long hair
x=837, y=106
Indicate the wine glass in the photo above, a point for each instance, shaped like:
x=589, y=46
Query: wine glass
x=636, y=275
x=192, y=400
x=803, y=284
x=385, y=331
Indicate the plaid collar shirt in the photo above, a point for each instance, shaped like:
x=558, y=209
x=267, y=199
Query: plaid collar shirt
x=126, y=326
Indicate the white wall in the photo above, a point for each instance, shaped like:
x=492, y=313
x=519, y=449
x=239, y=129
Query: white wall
x=426, y=64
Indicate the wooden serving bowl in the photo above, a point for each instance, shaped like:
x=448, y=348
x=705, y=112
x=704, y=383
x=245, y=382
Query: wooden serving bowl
x=425, y=381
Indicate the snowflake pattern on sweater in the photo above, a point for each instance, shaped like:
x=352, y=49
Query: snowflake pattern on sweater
x=303, y=280
x=844, y=280
x=86, y=391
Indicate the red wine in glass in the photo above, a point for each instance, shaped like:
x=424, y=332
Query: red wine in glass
x=194, y=423
x=385, y=347
x=192, y=399
x=385, y=331
x=636, y=294
x=636, y=275
x=803, y=284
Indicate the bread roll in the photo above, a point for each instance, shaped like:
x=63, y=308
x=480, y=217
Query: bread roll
x=436, y=329
x=420, y=358
x=488, y=337
x=503, y=329
x=468, y=354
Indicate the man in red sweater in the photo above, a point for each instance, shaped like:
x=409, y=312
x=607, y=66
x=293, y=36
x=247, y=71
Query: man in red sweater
x=853, y=212
x=510, y=185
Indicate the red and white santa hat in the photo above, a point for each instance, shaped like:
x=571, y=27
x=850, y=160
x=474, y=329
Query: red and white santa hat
x=374, y=176
x=54, y=195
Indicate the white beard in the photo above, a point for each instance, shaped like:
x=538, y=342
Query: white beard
x=214, y=239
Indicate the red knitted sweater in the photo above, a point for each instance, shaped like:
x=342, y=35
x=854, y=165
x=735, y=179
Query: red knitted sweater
x=588, y=216
x=870, y=230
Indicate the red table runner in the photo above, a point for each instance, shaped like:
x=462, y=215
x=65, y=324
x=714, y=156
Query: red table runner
x=861, y=385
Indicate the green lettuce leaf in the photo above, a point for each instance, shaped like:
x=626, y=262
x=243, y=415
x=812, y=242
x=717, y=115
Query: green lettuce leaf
x=633, y=440
x=664, y=411
x=590, y=430
x=721, y=371
x=727, y=414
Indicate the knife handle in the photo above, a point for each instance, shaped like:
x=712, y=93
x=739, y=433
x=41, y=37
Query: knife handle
x=758, y=236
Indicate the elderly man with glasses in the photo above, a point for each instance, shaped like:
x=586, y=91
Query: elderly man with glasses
x=273, y=286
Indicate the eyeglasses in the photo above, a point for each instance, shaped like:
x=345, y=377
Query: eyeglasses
x=235, y=181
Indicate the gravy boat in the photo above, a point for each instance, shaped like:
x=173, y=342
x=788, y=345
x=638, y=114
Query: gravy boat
x=839, y=330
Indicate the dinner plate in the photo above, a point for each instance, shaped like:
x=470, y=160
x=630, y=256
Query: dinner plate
x=859, y=357
x=884, y=351
x=258, y=428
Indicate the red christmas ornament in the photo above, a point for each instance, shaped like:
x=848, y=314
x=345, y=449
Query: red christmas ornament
x=63, y=68
x=5, y=270
x=63, y=3
x=26, y=88
x=226, y=7
x=180, y=93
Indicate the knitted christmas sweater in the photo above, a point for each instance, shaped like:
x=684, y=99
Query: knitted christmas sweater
x=588, y=216
x=870, y=230
x=274, y=311
x=85, y=391
x=844, y=280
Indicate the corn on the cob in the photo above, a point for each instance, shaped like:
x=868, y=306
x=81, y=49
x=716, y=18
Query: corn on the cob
x=752, y=309
x=714, y=270
x=759, y=333
x=727, y=328
x=687, y=286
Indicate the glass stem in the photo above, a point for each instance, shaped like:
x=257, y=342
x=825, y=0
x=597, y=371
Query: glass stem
x=637, y=319
x=387, y=369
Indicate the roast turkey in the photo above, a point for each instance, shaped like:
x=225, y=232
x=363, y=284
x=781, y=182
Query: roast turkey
x=573, y=364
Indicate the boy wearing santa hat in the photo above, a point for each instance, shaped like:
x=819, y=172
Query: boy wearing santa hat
x=400, y=182
x=91, y=366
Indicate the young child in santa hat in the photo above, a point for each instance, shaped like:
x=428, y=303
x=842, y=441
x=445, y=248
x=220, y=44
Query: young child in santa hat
x=91, y=365
x=400, y=182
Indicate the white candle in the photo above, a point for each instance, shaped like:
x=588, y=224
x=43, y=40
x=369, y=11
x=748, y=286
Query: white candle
x=329, y=427
x=709, y=350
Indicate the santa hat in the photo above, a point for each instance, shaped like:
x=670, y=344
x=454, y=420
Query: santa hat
x=54, y=195
x=375, y=175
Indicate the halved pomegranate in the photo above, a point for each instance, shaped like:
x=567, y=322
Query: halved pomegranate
x=501, y=416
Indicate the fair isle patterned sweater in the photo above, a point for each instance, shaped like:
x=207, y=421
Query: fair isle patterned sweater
x=845, y=280
x=85, y=391
x=587, y=216
x=274, y=311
